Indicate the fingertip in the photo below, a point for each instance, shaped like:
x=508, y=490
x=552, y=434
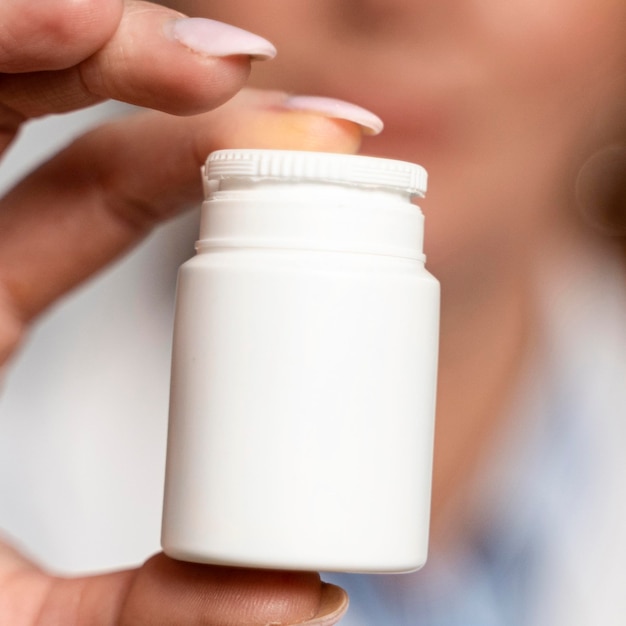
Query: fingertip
x=295, y=130
x=334, y=604
x=145, y=65
x=211, y=38
x=370, y=123
x=260, y=119
x=325, y=134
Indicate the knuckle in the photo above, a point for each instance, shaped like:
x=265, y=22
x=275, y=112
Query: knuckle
x=55, y=34
x=86, y=24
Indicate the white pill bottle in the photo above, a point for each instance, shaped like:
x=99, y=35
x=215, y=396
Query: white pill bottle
x=304, y=368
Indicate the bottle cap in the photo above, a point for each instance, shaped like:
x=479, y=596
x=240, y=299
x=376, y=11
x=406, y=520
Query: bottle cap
x=293, y=165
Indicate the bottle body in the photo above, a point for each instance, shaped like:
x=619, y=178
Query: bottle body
x=302, y=404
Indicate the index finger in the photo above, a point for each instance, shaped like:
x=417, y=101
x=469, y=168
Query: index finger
x=156, y=58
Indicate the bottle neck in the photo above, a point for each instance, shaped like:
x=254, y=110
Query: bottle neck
x=311, y=216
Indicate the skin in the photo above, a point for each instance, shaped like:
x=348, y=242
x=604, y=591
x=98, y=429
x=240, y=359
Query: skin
x=500, y=102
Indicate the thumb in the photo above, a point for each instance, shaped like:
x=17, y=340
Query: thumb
x=165, y=592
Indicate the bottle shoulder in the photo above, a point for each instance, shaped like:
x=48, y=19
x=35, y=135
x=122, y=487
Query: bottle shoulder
x=297, y=272
x=300, y=260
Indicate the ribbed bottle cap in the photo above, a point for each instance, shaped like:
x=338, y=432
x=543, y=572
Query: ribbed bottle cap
x=316, y=166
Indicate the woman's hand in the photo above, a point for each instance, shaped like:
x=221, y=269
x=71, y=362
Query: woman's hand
x=100, y=196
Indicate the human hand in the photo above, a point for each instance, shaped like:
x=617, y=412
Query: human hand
x=100, y=196
x=165, y=592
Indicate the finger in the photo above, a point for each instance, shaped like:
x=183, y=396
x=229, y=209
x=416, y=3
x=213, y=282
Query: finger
x=224, y=596
x=105, y=192
x=165, y=592
x=54, y=34
x=22, y=588
x=333, y=605
x=155, y=58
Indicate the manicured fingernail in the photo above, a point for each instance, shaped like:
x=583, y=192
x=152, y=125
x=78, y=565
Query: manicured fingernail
x=372, y=124
x=333, y=605
x=217, y=39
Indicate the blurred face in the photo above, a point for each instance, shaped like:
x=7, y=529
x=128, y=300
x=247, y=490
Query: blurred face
x=499, y=100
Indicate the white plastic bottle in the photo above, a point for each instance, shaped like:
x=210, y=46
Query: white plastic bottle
x=304, y=368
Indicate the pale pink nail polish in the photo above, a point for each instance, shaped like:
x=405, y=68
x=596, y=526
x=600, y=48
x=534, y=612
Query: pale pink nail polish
x=372, y=124
x=216, y=39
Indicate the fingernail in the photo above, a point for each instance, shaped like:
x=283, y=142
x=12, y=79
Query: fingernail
x=371, y=124
x=333, y=605
x=216, y=39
